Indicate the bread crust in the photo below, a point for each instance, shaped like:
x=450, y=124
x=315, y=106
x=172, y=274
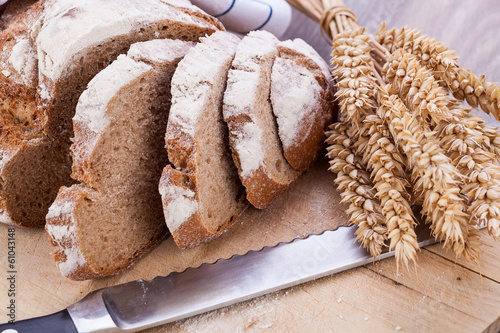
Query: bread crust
x=261, y=188
x=61, y=215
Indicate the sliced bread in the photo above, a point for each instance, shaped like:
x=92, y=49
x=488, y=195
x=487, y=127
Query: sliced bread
x=56, y=47
x=118, y=156
x=300, y=92
x=253, y=132
x=202, y=195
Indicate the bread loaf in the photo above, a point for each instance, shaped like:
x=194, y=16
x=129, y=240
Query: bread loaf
x=202, y=195
x=118, y=157
x=253, y=133
x=59, y=45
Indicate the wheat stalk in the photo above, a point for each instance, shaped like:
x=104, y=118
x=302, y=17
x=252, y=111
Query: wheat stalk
x=434, y=176
x=356, y=189
x=443, y=62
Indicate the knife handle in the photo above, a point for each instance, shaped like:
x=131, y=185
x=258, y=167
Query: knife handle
x=59, y=322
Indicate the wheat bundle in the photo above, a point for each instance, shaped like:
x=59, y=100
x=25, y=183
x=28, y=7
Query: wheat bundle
x=402, y=141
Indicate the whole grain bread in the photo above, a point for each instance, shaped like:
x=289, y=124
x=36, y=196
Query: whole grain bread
x=118, y=155
x=49, y=54
x=300, y=96
x=253, y=133
x=201, y=192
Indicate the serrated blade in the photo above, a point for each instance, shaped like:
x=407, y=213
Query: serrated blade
x=141, y=304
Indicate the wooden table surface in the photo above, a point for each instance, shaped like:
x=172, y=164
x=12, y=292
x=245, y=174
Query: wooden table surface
x=440, y=294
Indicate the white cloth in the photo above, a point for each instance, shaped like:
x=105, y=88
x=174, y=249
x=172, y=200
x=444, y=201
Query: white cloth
x=242, y=16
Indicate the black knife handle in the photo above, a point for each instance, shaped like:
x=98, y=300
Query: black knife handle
x=59, y=322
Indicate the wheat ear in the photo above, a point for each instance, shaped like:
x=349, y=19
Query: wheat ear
x=389, y=176
x=434, y=176
x=356, y=189
x=353, y=73
x=443, y=62
x=487, y=135
x=417, y=87
x=465, y=147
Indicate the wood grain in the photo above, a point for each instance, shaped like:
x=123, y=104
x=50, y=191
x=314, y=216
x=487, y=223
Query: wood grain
x=489, y=261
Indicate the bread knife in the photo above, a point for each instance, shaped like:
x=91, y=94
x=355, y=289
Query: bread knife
x=142, y=304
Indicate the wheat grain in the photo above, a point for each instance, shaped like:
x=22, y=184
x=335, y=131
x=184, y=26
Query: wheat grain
x=356, y=189
x=433, y=175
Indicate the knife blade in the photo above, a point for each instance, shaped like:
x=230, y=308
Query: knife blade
x=141, y=304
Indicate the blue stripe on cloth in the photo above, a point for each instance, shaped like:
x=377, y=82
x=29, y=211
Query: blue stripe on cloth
x=227, y=10
x=268, y=18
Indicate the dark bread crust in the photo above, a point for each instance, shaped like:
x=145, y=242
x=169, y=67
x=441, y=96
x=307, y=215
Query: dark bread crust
x=68, y=197
x=327, y=85
x=266, y=182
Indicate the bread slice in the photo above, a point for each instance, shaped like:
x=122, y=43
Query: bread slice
x=300, y=92
x=71, y=42
x=201, y=192
x=253, y=133
x=118, y=155
x=32, y=168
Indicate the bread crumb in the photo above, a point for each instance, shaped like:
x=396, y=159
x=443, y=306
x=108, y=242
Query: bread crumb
x=398, y=328
x=6, y=73
x=339, y=300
